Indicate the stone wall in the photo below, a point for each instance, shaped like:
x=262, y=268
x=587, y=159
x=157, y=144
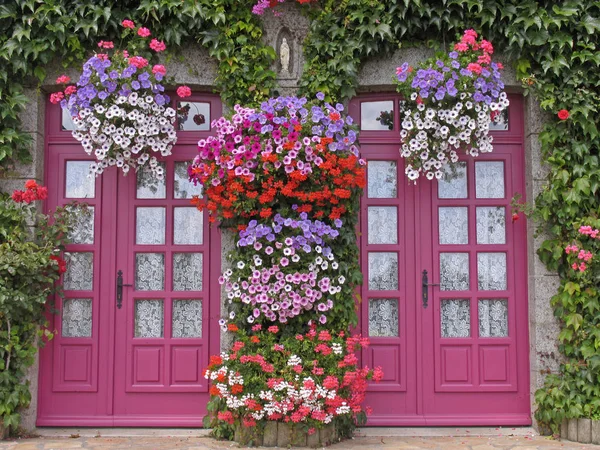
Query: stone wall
x=195, y=68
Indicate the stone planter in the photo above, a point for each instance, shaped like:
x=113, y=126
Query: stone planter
x=585, y=431
x=284, y=435
x=596, y=432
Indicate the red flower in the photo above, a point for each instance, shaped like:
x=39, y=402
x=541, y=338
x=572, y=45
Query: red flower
x=70, y=90
x=184, y=91
x=106, y=44
x=563, y=114
x=214, y=391
x=159, y=68
x=30, y=184
x=143, y=32
x=515, y=217
x=17, y=196
x=63, y=79
x=232, y=327
x=138, y=62
x=56, y=97
x=157, y=46
x=62, y=265
x=273, y=329
x=128, y=24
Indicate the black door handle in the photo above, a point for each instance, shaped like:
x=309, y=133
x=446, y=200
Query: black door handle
x=425, y=285
x=120, y=288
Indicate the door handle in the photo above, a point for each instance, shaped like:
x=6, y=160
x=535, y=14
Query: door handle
x=425, y=285
x=120, y=288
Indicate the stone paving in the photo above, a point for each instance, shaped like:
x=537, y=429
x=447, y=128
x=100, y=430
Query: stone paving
x=358, y=443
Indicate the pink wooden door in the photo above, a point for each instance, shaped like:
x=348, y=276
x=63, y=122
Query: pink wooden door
x=140, y=364
x=462, y=359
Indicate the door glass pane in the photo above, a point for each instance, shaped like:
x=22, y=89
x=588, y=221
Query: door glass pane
x=82, y=230
x=188, y=226
x=454, y=271
x=148, y=186
x=383, y=271
x=500, y=120
x=382, y=179
x=489, y=179
x=184, y=188
x=193, y=116
x=491, y=271
x=383, y=225
x=149, y=319
x=67, y=121
x=79, y=183
x=456, y=319
x=377, y=115
x=491, y=225
x=187, y=319
x=149, y=271
x=454, y=182
x=80, y=271
x=187, y=271
x=453, y=225
x=150, y=226
x=383, y=317
x=493, y=318
x=77, y=317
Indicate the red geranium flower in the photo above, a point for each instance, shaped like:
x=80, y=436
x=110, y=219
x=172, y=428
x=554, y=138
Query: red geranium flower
x=563, y=114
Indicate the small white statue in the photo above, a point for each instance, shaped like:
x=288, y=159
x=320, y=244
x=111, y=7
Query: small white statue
x=284, y=56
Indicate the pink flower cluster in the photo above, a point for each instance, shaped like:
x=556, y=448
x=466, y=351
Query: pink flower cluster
x=469, y=41
x=588, y=231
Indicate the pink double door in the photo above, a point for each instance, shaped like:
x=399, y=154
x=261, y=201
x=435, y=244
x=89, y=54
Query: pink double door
x=444, y=299
x=141, y=307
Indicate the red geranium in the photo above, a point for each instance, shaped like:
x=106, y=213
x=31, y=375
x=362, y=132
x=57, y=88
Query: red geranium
x=563, y=114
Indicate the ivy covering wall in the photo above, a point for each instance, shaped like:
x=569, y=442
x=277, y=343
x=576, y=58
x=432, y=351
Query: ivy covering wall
x=554, y=45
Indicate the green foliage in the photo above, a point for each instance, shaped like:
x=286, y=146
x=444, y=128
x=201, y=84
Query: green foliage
x=28, y=275
x=34, y=33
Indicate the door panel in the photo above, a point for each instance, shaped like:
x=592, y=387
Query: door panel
x=141, y=364
x=463, y=358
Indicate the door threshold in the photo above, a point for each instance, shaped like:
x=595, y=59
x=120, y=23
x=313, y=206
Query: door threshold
x=445, y=431
x=364, y=431
x=120, y=432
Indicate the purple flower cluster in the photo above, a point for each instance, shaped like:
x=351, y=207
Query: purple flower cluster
x=103, y=77
x=310, y=233
x=289, y=269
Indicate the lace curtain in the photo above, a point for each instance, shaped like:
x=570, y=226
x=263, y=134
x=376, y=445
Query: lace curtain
x=456, y=319
x=149, y=318
x=77, y=317
x=493, y=318
x=187, y=319
x=383, y=317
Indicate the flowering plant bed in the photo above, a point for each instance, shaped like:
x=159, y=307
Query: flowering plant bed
x=290, y=152
x=119, y=107
x=449, y=103
x=310, y=379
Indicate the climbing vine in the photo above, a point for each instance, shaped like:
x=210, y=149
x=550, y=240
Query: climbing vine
x=34, y=33
x=555, y=47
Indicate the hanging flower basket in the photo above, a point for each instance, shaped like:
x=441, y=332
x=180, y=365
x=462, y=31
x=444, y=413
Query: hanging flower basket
x=119, y=107
x=449, y=104
x=290, y=156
